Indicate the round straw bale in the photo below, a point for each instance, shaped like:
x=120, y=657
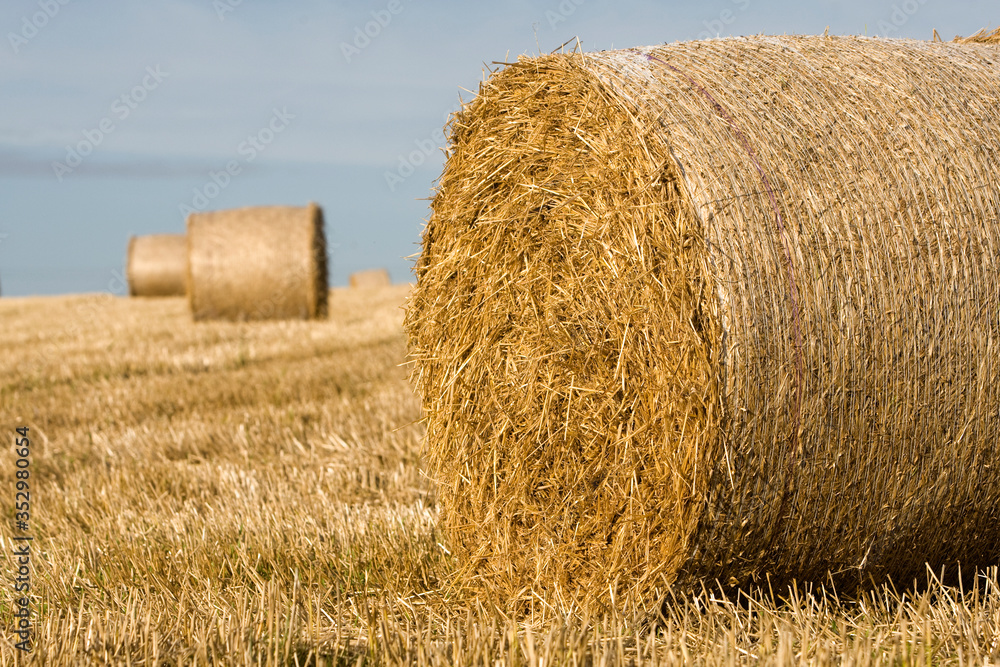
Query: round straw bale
x=716, y=311
x=157, y=265
x=265, y=262
x=370, y=278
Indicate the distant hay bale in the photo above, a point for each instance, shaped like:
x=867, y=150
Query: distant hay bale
x=716, y=311
x=157, y=265
x=370, y=278
x=259, y=263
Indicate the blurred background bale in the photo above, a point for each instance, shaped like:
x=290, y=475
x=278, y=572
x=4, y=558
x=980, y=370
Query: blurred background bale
x=258, y=263
x=722, y=311
x=370, y=278
x=157, y=265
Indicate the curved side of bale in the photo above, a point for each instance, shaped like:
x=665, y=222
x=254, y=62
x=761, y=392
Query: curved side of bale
x=370, y=278
x=157, y=265
x=266, y=262
x=716, y=311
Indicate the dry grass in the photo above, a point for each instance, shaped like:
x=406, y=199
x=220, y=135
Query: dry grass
x=984, y=36
x=241, y=493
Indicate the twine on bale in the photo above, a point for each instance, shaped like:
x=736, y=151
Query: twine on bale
x=793, y=298
x=716, y=311
x=257, y=263
x=157, y=265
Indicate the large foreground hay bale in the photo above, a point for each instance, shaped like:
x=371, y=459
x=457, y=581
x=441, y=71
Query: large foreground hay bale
x=370, y=278
x=264, y=262
x=718, y=310
x=157, y=265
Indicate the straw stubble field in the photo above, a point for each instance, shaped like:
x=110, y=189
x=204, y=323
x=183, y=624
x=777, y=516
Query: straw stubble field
x=251, y=493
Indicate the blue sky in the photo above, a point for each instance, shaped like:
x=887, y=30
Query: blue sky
x=300, y=103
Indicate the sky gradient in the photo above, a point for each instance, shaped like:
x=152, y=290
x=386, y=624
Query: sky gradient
x=119, y=118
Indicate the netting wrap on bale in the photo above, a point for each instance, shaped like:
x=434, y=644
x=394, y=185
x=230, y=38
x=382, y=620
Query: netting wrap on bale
x=258, y=263
x=716, y=311
x=157, y=265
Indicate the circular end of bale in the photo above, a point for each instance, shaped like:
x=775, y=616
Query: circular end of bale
x=320, y=294
x=565, y=345
x=157, y=265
